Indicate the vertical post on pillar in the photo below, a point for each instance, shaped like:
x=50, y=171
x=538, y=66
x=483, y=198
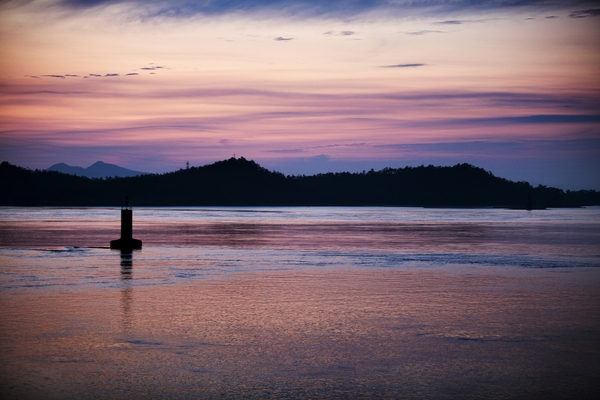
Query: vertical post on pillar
x=126, y=223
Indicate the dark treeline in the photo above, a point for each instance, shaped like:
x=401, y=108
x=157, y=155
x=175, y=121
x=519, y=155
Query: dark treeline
x=242, y=182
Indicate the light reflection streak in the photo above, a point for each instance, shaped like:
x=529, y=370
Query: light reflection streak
x=126, y=291
x=126, y=310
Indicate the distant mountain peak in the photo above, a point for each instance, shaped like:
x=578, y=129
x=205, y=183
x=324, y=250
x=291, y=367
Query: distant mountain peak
x=99, y=169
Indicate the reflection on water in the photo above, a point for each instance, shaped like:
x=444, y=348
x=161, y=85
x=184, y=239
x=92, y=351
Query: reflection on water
x=126, y=291
x=126, y=309
x=300, y=303
x=126, y=263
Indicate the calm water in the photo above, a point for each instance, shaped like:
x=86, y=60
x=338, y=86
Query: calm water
x=300, y=303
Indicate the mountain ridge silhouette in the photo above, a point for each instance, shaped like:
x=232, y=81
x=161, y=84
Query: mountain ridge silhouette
x=99, y=169
x=241, y=182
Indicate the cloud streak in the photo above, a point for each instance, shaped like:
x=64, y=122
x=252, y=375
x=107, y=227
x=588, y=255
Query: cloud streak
x=423, y=32
x=585, y=13
x=341, y=33
x=295, y=97
x=450, y=22
x=410, y=65
x=312, y=8
x=106, y=75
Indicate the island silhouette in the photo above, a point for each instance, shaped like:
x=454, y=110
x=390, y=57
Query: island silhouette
x=241, y=182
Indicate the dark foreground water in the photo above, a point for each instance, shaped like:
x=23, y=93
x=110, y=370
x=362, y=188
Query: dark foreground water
x=300, y=303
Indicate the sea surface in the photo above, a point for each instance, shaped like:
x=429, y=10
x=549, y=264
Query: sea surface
x=300, y=302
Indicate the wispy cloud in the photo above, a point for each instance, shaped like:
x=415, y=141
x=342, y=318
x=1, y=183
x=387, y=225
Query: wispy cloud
x=288, y=151
x=340, y=33
x=308, y=8
x=423, y=32
x=107, y=75
x=297, y=97
x=410, y=65
x=585, y=13
x=283, y=39
x=450, y=22
x=534, y=119
x=317, y=147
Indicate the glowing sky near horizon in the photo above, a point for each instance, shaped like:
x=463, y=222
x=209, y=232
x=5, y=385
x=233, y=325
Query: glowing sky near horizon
x=304, y=86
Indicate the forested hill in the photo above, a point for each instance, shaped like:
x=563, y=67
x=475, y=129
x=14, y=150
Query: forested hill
x=243, y=182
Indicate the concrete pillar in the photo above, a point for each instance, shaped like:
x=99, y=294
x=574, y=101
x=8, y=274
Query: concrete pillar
x=126, y=241
x=126, y=224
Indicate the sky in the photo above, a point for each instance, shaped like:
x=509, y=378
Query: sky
x=305, y=86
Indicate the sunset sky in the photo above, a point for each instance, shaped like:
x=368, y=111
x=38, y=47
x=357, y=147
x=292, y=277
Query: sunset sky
x=305, y=86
